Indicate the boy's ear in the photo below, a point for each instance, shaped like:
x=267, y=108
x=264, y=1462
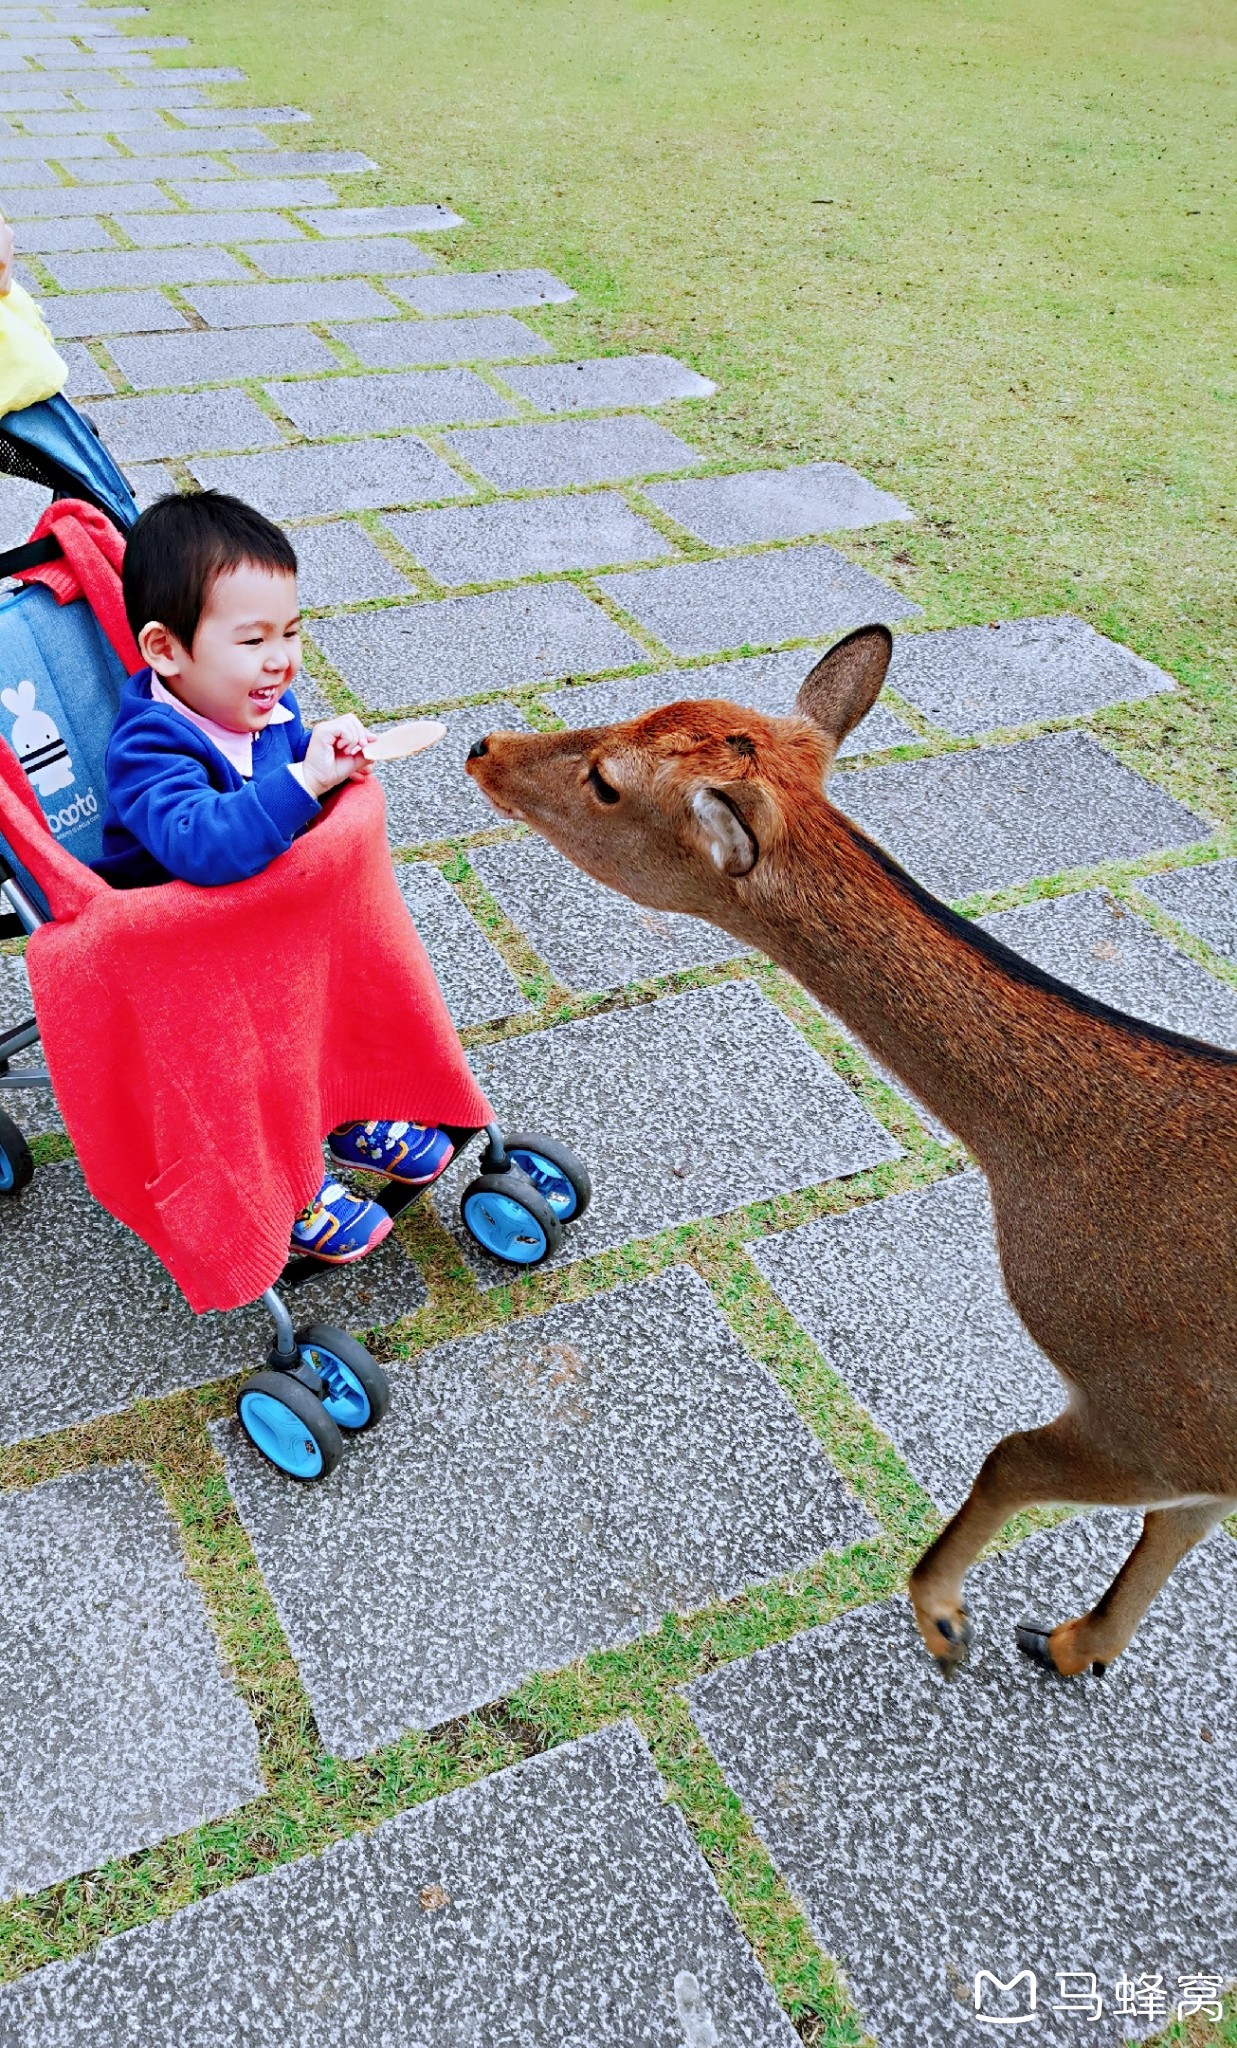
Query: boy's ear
x=158, y=648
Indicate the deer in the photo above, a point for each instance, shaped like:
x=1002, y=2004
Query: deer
x=1108, y=1144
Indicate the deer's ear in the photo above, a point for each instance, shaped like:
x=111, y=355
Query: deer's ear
x=846, y=682
x=731, y=821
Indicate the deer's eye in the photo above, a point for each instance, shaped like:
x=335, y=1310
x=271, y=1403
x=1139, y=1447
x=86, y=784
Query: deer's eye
x=600, y=787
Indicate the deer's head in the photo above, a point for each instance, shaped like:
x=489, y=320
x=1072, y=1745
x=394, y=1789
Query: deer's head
x=688, y=806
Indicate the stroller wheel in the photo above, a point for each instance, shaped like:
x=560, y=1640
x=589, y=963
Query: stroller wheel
x=357, y=1394
x=289, y=1425
x=506, y=1215
x=16, y=1164
x=557, y=1173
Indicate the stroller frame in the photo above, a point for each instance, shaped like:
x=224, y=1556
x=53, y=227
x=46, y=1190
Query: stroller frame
x=318, y=1380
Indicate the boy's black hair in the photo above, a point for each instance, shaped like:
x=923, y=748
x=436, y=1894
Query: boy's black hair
x=181, y=544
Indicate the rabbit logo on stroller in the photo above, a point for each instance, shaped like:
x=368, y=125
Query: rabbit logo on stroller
x=36, y=741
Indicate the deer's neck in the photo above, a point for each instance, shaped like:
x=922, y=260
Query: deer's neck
x=985, y=1050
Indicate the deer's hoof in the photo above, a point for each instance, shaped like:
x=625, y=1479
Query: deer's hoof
x=1033, y=1643
x=1042, y=1645
x=950, y=1642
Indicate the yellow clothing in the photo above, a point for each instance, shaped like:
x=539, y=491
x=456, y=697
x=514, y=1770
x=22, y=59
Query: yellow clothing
x=30, y=369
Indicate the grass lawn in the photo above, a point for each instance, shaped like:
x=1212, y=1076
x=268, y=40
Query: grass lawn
x=977, y=252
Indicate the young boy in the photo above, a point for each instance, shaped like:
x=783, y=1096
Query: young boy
x=211, y=773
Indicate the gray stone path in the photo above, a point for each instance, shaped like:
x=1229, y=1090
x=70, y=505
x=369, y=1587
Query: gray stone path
x=562, y=1900
x=565, y=1481
x=904, y=1298
x=753, y=1112
x=1000, y=1823
x=105, y=1648
x=492, y=525
x=90, y=1322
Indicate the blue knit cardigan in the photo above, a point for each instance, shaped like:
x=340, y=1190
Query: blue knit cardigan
x=177, y=807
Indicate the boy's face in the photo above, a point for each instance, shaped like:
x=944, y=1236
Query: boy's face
x=245, y=653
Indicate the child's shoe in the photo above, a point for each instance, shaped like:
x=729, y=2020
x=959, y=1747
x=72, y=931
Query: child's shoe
x=408, y=1153
x=338, y=1228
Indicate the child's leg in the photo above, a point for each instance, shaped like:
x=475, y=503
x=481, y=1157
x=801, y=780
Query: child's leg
x=411, y=1154
x=338, y=1228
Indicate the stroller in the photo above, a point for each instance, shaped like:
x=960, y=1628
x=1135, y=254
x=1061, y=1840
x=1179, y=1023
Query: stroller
x=60, y=680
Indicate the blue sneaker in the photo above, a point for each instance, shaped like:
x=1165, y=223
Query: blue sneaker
x=408, y=1153
x=337, y=1228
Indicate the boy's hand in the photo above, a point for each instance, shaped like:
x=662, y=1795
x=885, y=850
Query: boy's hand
x=335, y=754
x=6, y=257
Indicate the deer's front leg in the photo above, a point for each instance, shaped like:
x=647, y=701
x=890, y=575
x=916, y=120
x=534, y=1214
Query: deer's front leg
x=1032, y=1468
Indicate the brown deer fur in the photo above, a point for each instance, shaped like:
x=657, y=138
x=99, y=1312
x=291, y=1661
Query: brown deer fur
x=1108, y=1145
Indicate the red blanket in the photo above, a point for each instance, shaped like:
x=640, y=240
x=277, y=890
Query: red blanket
x=93, y=554
x=202, y=1042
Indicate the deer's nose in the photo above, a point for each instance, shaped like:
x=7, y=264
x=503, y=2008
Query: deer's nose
x=478, y=750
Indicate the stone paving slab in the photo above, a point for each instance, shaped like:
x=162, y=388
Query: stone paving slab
x=354, y=476
x=486, y=291
x=476, y=982
x=683, y=1108
x=258, y=192
x=575, y=1908
x=969, y=679
x=304, y=160
x=21, y=177
x=81, y=122
x=528, y=537
x=96, y=270
x=130, y=171
x=382, y=220
x=18, y=148
x=138, y=429
x=148, y=98
x=983, y=820
x=149, y=481
x=590, y=937
x=767, y=682
x=32, y=1109
x=263, y=117
x=78, y=314
x=384, y=255
x=28, y=99
x=464, y=646
x=374, y=405
x=396, y=343
x=777, y=504
x=186, y=230
x=86, y=379
x=339, y=564
x=429, y=796
x=222, y=355
x=186, y=142
x=113, y=1329
x=590, y=1470
x=43, y=237
x=1203, y=899
x=65, y=202
x=604, y=381
x=789, y=594
x=572, y=452
x=1009, y=1821
x=1101, y=947
x=288, y=305
x=905, y=1299
x=118, y=1725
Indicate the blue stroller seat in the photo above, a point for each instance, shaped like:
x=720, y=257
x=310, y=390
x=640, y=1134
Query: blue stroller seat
x=60, y=684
